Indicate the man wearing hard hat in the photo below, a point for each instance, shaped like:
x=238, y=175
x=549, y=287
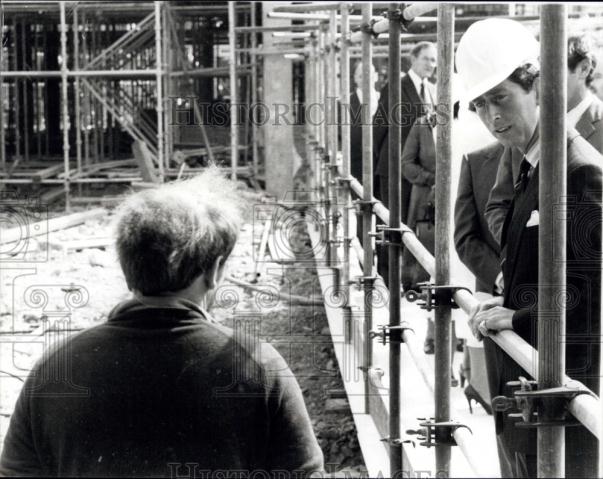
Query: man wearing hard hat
x=501, y=79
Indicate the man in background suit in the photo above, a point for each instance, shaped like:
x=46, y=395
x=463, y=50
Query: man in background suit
x=585, y=113
x=417, y=96
x=476, y=246
x=356, y=119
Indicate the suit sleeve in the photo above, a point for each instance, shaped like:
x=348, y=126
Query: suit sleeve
x=293, y=445
x=19, y=455
x=470, y=245
x=411, y=166
x=501, y=197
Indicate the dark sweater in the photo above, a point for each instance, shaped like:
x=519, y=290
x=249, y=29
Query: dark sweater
x=153, y=389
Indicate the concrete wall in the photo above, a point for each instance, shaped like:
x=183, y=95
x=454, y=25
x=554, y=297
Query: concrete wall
x=279, y=152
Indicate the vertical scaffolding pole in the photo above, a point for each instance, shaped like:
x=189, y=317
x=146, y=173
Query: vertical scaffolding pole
x=254, y=95
x=76, y=93
x=315, y=120
x=24, y=91
x=367, y=183
x=17, y=85
x=445, y=42
x=234, y=117
x=333, y=150
x=64, y=104
x=394, y=187
x=86, y=96
x=326, y=143
x=168, y=61
x=2, y=135
x=159, y=79
x=551, y=264
x=345, y=150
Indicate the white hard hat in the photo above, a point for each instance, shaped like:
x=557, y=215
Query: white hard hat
x=490, y=50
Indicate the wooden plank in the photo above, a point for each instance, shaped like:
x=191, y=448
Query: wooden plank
x=47, y=172
x=145, y=162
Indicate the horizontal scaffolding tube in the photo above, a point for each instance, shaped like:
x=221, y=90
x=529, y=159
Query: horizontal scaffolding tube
x=410, y=13
x=286, y=28
x=79, y=73
x=585, y=408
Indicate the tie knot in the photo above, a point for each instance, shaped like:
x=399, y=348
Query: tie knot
x=524, y=175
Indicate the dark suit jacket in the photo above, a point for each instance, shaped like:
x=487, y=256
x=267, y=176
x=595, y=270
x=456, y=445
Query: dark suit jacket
x=583, y=275
x=475, y=245
x=590, y=126
x=418, y=167
x=411, y=108
x=355, y=137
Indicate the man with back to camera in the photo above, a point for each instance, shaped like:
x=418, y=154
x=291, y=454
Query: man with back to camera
x=160, y=389
x=501, y=79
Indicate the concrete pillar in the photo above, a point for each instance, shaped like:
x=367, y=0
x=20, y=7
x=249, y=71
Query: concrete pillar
x=281, y=159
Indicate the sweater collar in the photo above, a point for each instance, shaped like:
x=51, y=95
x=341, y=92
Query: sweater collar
x=143, y=303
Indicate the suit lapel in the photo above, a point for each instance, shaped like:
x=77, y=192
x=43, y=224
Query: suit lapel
x=409, y=89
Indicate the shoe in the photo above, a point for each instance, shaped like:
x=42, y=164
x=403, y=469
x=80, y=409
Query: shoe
x=429, y=346
x=464, y=374
x=472, y=394
x=454, y=382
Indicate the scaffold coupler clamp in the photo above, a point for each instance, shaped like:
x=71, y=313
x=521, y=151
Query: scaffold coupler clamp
x=433, y=296
x=397, y=15
x=527, y=398
x=361, y=205
x=360, y=281
x=368, y=28
x=386, y=235
x=399, y=441
x=390, y=334
x=433, y=434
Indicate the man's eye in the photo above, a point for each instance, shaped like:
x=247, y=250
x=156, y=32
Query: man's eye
x=499, y=98
x=478, y=104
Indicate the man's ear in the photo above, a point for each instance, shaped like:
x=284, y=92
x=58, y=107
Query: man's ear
x=214, y=275
x=584, y=68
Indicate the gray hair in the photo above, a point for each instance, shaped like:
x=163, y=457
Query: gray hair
x=168, y=236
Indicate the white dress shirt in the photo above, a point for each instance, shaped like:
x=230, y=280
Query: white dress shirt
x=417, y=82
x=374, y=103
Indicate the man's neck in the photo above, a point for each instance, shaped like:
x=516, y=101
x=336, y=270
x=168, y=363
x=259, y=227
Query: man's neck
x=577, y=97
x=533, y=139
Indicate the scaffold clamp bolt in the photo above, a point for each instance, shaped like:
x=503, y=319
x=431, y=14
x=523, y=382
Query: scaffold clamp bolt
x=433, y=434
x=390, y=334
x=434, y=296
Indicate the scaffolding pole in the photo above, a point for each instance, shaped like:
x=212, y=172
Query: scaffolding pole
x=443, y=365
x=25, y=94
x=552, y=274
x=64, y=104
x=159, y=79
x=367, y=211
x=394, y=250
x=2, y=135
x=234, y=118
x=254, y=86
x=345, y=201
x=76, y=92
